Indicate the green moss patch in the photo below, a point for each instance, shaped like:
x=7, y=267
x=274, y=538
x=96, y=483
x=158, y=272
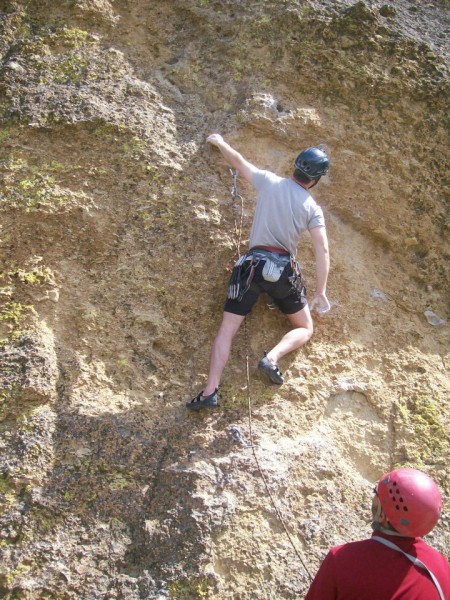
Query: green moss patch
x=34, y=187
x=428, y=442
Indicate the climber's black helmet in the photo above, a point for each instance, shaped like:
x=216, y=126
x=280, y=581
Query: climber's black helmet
x=312, y=162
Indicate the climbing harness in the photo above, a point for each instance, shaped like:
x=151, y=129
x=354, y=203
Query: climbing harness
x=249, y=399
x=275, y=264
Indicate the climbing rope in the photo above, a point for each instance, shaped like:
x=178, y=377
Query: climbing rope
x=238, y=233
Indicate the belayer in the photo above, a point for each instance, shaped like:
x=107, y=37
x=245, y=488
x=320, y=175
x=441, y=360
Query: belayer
x=283, y=210
x=395, y=563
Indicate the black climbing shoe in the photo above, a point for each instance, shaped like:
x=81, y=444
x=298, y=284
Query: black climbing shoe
x=203, y=401
x=272, y=371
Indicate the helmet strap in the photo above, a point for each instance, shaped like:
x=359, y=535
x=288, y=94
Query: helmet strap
x=392, y=532
x=377, y=526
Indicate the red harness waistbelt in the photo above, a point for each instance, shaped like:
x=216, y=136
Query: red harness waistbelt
x=271, y=249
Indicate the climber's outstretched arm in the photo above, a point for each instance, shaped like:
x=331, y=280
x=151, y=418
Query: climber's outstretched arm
x=233, y=158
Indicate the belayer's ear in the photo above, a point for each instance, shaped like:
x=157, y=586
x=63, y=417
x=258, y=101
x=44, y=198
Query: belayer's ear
x=383, y=520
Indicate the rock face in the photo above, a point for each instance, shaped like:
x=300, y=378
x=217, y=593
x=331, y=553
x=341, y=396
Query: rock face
x=118, y=233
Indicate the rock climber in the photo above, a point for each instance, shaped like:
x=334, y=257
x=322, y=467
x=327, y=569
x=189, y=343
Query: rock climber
x=395, y=563
x=284, y=209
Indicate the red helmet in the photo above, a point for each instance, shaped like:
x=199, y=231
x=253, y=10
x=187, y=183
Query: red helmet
x=410, y=500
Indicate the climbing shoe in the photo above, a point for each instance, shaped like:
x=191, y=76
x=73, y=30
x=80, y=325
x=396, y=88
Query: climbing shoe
x=272, y=371
x=203, y=401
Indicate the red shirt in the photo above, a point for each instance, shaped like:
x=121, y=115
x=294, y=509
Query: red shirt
x=368, y=570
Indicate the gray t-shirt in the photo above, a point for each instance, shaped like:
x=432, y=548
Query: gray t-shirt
x=283, y=210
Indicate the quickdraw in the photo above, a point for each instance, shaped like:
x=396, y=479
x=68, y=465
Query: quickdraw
x=296, y=277
x=242, y=276
x=235, y=195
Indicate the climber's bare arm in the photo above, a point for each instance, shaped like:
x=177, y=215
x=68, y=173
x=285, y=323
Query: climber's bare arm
x=233, y=158
x=320, y=243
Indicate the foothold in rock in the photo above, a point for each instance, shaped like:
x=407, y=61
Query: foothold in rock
x=347, y=43
x=53, y=295
x=375, y=293
x=388, y=10
x=14, y=66
x=433, y=319
x=345, y=385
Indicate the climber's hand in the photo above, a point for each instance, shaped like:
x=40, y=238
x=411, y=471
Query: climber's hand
x=215, y=139
x=320, y=304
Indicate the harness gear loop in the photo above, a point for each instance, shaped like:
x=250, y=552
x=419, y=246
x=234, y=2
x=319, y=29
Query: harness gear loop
x=251, y=445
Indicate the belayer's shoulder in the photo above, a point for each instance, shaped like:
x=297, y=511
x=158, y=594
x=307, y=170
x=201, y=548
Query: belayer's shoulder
x=350, y=548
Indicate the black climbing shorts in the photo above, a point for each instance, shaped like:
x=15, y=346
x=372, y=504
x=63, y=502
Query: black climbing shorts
x=283, y=293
